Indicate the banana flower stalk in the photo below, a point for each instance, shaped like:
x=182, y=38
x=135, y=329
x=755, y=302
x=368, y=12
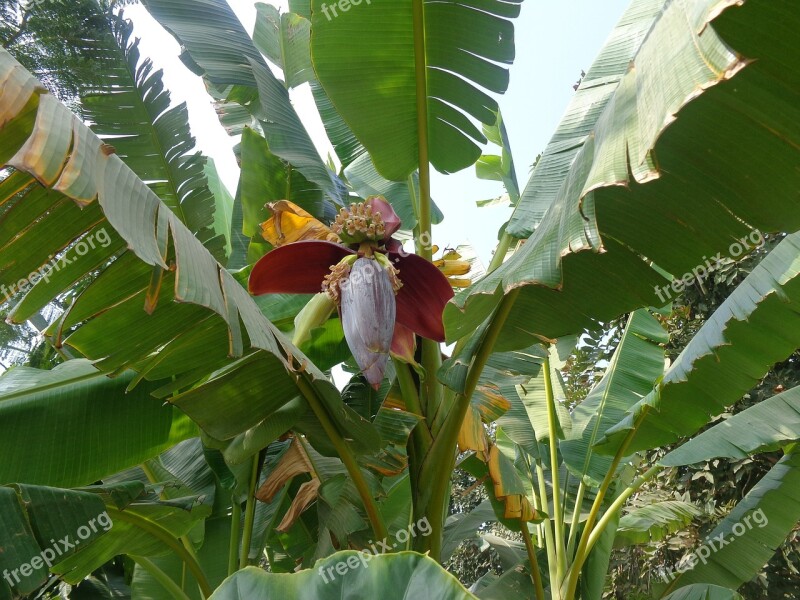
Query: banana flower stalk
x=384, y=295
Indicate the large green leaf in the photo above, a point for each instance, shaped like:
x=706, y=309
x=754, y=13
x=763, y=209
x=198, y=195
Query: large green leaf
x=696, y=148
x=133, y=533
x=460, y=48
x=510, y=391
x=266, y=178
x=344, y=141
x=286, y=134
x=34, y=516
x=212, y=557
x=181, y=472
x=637, y=364
x=765, y=427
x=217, y=47
x=702, y=591
x=246, y=394
x=757, y=326
x=246, y=444
x=131, y=110
x=73, y=425
x=50, y=223
x=359, y=575
x=195, y=304
x=284, y=39
x=510, y=553
x=653, y=522
x=80, y=530
x=394, y=426
x=736, y=550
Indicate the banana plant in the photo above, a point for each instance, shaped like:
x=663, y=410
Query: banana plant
x=680, y=144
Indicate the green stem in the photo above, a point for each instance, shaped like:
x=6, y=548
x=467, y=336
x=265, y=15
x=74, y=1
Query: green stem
x=421, y=75
x=558, y=515
x=169, y=540
x=535, y=574
x=549, y=544
x=421, y=435
x=582, y=552
x=165, y=580
x=412, y=190
x=441, y=458
x=576, y=516
x=408, y=387
x=249, y=513
x=151, y=477
x=501, y=251
x=618, y=504
x=537, y=505
x=482, y=356
x=433, y=392
x=347, y=458
x=273, y=522
x=233, y=548
x=431, y=352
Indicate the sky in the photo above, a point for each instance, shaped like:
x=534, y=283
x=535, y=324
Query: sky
x=555, y=40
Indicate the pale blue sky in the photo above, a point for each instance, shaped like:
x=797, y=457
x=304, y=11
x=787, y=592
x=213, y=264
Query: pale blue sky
x=554, y=41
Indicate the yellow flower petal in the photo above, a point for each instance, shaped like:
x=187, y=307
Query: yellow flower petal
x=290, y=223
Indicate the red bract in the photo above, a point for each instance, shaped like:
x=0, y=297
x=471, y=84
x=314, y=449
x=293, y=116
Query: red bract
x=383, y=294
x=403, y=343
x=385, y=210
x=297, y=268
x=300, y=268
